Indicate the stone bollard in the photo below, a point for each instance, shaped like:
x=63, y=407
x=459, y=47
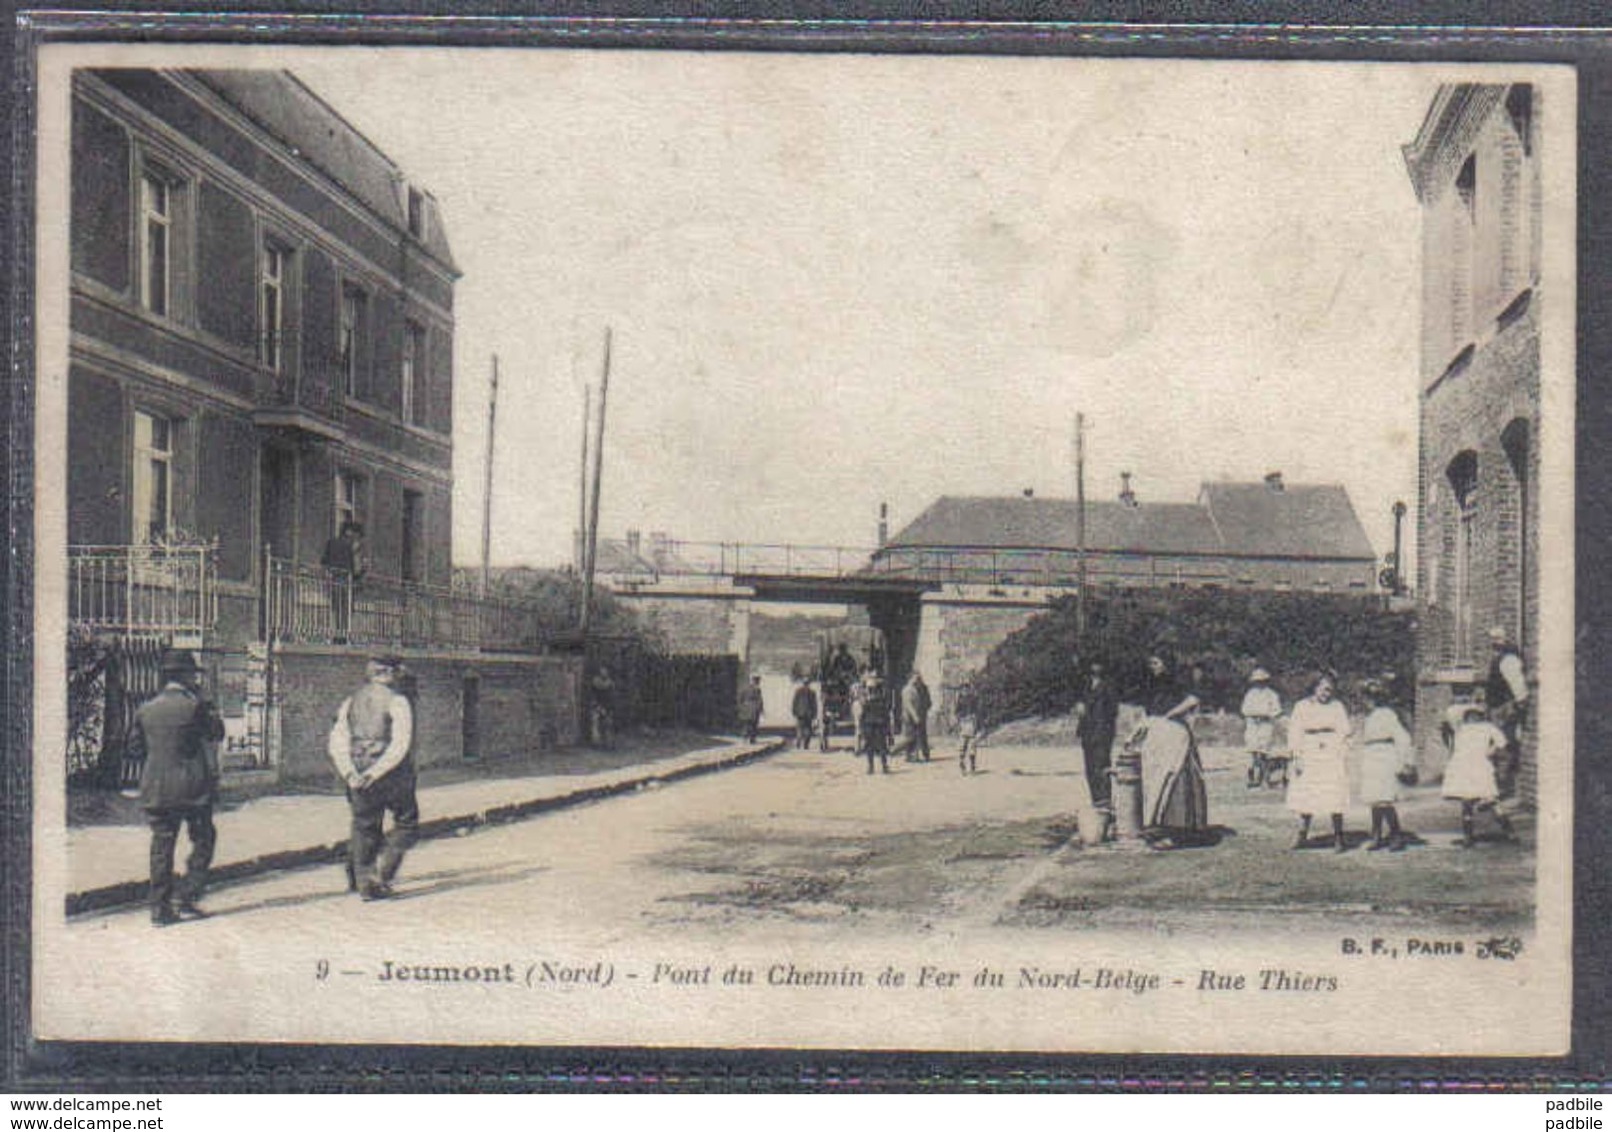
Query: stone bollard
x=1127, y=794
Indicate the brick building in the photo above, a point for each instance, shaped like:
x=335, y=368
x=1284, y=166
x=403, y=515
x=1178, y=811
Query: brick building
x=1475, y=166
x=262, y=327
x=1269, y=536
x=261, y=348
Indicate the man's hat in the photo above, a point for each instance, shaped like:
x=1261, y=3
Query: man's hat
x=1498, y=635
x=387, y=660
x=1258, y=674
x=178, y=661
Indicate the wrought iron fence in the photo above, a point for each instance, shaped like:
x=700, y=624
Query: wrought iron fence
x=145, y=590
x=314, y=605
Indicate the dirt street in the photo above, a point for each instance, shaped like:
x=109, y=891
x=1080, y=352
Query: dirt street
x=807, y=846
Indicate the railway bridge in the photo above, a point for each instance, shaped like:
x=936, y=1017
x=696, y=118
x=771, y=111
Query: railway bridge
x=941, y=613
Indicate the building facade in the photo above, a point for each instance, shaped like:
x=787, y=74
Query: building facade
x=261, y=350
x=262, y=329
x=1475, y=167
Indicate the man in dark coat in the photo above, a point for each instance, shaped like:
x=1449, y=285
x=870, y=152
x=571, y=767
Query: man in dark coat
x=876, y=721
x=1099, y=718
x=175, y=736
x=371, y=746
x=803, y=706
x=344, y=558
x=750, y=708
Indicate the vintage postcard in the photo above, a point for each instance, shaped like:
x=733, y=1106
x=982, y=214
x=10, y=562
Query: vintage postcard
x=657, y=548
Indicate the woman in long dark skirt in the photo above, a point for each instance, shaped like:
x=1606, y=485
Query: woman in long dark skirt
x=1175, y=804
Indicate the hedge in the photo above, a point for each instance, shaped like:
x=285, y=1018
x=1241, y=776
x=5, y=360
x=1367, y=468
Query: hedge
x=1217, y=636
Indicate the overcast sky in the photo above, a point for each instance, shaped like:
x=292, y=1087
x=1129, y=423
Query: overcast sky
x=836, y=280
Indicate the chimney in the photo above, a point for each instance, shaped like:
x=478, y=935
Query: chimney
x=1126, y=495
x=1273, y=480
x=884, y=524
x=635, y=540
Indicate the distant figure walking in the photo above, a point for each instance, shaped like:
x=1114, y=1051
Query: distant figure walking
x=602, y=709
x=1260, y=710
x=915, y=705
x=343, y=557
x=1175, y=802
x=1387, y=760
x=1096, y=727
x=750, y=708
x=371, y=745
x=175, y=735
x=1318, y=783
x=968, y=729
x=876, y=721
x=858, y=697
x=803, y=706
x=1470, y=776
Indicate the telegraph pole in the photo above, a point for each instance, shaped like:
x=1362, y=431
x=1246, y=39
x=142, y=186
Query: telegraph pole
x=593, y=501
x=487, y=486
x=1398, y=588
x=1080, y=526
x=581, y=540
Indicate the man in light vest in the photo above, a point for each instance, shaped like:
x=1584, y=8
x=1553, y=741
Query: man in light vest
x=370, y=746
x=1506, y=696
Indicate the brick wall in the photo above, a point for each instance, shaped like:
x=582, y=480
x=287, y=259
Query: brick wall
x=1480, y=258
x=95, y=467
x=523, y=707
x=100, y=208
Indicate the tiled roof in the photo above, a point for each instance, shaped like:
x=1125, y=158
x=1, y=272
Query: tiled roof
x=1303, y=521
x=1019, y=523
x=1299, y=521
x=319, y=135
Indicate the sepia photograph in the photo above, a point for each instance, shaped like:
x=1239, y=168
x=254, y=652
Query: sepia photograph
x=809, y=550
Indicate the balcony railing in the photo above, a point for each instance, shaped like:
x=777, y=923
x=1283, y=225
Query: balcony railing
x=312, y=605
x=317, y=390
x=158, y=590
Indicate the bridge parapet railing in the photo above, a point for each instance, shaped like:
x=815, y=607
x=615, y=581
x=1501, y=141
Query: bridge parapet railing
x=773, y=559
x=1036, y=567
x=956, y=565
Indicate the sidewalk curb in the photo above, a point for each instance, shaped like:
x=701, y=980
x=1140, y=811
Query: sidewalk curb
x=133, y=892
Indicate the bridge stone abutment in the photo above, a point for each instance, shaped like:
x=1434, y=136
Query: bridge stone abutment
x=959, y=625
x=706, y=616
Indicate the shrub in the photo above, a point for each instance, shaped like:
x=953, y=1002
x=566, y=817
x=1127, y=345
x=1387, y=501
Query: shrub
x=1216, y=637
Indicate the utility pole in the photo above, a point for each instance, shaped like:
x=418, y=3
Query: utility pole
x=581, y=540
x=1398, y=587
x=1080, y=527
x=487, y=485
x=593, y=501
